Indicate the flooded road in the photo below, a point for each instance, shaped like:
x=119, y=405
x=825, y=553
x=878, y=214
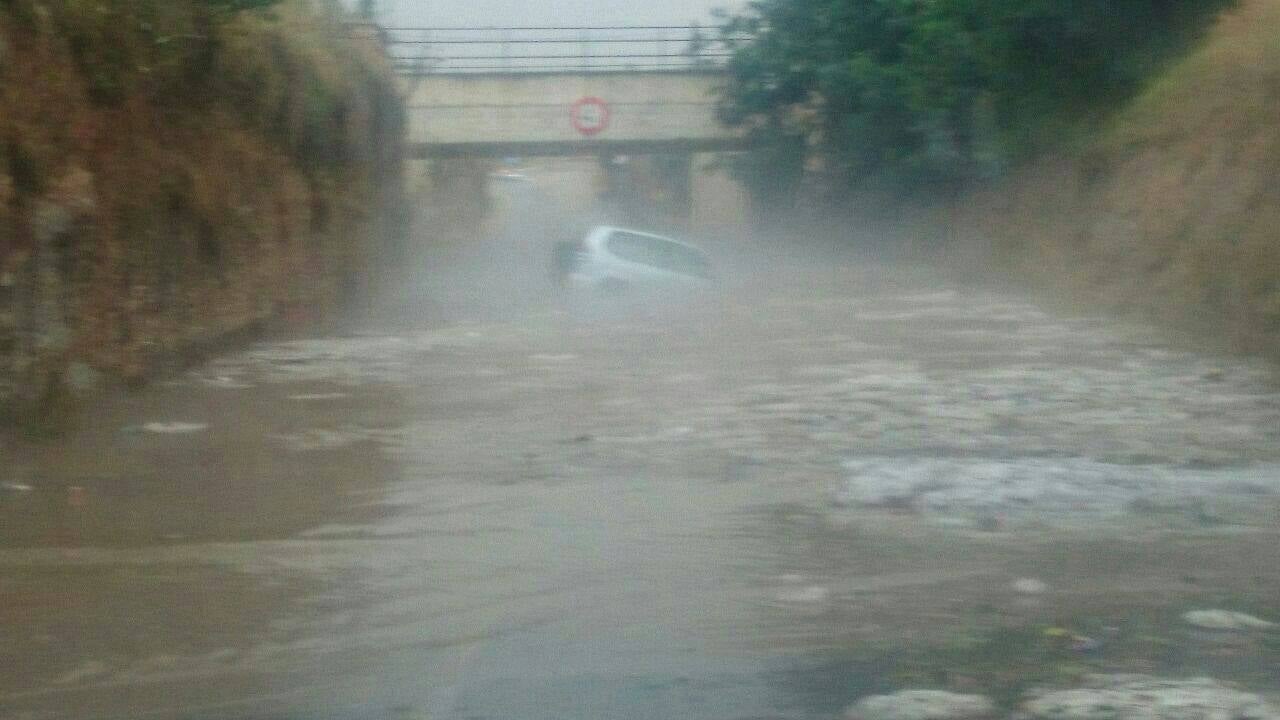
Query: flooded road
x=490, y=500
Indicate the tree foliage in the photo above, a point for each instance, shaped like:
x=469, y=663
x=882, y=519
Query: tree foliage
x=937, y=92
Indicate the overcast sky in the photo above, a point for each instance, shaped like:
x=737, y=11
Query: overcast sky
x=470, y=13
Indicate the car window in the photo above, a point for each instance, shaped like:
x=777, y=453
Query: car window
x=659, y=253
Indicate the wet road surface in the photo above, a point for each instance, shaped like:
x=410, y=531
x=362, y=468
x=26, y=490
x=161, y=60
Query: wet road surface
x=488, y=500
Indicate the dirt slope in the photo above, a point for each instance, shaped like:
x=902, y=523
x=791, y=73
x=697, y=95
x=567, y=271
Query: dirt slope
x=1175, y=210
x=170, y=174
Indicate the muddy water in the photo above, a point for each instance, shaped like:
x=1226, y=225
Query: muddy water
x=490, y=501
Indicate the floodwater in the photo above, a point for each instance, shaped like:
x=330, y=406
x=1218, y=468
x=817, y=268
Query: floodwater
x=484, y=499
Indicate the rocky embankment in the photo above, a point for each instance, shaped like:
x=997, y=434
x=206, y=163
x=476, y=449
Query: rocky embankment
x=173, y=173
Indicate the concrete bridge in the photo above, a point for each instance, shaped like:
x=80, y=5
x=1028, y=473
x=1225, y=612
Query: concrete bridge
x=602, y=92
x=565, y=113
x=561, y=91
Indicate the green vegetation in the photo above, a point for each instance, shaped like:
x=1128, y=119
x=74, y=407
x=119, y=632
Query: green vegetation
x=1169, y=209
x=1123, y=150
x=936, y=93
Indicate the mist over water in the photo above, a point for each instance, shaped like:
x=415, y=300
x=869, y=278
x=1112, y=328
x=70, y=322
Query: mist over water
x=488, y=496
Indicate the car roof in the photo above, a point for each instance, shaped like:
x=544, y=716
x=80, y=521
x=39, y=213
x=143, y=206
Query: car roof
x=604, y=230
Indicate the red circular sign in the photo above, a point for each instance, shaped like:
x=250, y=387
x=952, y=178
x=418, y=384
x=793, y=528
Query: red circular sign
x=590, y=116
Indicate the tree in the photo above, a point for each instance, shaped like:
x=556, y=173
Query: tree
x=937, y=93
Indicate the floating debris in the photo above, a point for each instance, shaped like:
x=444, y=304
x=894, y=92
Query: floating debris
x=225, y=382
x=1030, y=586
x=317, y=397
x=804, y=595
x=922, y=705
x=1140, y=697
x=1225, y=620
x=1085, y=644
x=174, y=428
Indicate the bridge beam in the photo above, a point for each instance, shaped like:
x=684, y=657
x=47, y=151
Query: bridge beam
x=475, y=114
x=565, y=148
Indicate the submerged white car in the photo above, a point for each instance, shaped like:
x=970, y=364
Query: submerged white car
x=612, y=258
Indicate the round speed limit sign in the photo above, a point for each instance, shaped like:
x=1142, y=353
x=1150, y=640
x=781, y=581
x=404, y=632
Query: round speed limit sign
x=590, y=116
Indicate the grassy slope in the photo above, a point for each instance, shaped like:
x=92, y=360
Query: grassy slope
x=1175, y=209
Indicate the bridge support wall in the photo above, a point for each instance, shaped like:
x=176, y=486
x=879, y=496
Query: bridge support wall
x=473, y=110
x=652, y=115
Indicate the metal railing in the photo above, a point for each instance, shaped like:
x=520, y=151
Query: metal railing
x=479, y=50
